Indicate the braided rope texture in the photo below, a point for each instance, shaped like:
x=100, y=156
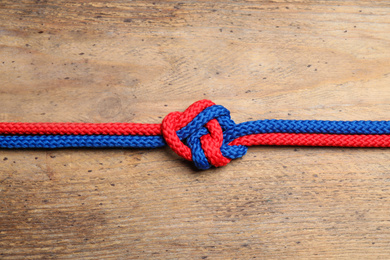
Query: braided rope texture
x=68, y=141
x=80, y=129
x=204, y=133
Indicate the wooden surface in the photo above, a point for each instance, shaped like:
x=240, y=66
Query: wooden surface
x=136, y=61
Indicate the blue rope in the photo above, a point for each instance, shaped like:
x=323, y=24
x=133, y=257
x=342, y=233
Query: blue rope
x=234, y=131
x=231, y=132
x=67, y=141
x=195, y=129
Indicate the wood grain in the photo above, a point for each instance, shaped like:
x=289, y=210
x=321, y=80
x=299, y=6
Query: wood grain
x=136, y=61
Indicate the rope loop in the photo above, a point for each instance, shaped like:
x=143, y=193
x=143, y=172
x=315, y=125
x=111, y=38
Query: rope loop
x=197, y=135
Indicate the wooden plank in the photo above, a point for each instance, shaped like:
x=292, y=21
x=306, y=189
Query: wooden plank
x=136, y=61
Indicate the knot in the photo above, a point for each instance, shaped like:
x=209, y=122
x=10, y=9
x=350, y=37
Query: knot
x=199, y=134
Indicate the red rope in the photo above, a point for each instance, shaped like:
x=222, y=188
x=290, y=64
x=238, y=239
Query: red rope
x=314, y=140
x=177, y=120
x=204, y=137
x=80, y=128
x=211, y=144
